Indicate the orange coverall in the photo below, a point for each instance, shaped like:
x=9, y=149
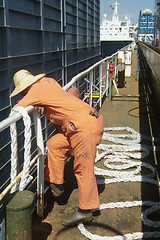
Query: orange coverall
x=81, y=132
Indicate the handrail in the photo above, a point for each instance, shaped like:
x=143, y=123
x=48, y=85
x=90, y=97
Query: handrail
x=39, y=157
x=82, y=74
x=102, y=84
x=14, y=118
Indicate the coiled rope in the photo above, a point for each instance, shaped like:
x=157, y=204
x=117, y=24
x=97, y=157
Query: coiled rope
x=114, y=153
x=14, y=147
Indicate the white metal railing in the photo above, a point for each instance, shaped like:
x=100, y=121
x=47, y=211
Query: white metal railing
x=96, y=82
x=39, y=157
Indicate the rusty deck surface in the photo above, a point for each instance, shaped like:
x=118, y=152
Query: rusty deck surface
x=136, y=113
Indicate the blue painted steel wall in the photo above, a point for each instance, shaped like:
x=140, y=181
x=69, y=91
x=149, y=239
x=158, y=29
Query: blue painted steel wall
x=60, y=38
x=146, y=24
x=157, y=22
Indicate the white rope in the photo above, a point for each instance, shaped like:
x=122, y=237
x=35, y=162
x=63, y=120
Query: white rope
x=129, y=148
x=128, y=236
x=27, y=147
x=13, y=133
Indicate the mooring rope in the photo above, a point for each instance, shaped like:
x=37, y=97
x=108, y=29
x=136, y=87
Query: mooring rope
x=128, y=147
x=14, y=147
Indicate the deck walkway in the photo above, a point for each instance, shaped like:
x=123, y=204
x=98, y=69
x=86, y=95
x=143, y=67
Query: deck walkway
x=136, y=113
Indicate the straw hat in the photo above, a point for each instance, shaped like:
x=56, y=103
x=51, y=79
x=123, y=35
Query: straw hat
x=23, y=79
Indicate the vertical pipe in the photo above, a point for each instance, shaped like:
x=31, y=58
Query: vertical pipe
x=115, y=66
x=100, y=85
x=42, y=35
x=107, y=79
x=40, y=164
x=62, y=42
x=8, y=43
x=110, y=89
x=90, y=87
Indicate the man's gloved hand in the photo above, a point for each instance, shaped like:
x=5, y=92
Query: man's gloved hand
x=94, y=113
x=39, y=108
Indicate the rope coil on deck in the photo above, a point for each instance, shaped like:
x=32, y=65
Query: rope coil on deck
x=122, y=154
x=14, y=147
x=112, y=153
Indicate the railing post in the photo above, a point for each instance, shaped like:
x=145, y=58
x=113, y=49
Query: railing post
x=107, y=78
x=100, y=85
x=40, y=164
x=115, y=66
x=110, y=89
x=90, y=87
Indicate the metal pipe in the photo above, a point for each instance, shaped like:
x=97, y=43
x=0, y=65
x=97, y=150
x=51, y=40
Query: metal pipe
x=11, y=119
x=40, y=164
x=8, y=188
x=110, y=89
x=100, y=85
x=90, y=87
x=16, y=116
x=82, y=74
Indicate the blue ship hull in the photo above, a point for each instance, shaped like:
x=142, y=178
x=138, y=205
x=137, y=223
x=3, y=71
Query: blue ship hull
x=110, y=47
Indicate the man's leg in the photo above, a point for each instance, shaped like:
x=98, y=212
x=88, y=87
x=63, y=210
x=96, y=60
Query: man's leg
x=84, y=144
x=57, y=146
x=84, y=157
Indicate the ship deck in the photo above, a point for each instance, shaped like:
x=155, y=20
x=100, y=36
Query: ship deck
x=129, y=110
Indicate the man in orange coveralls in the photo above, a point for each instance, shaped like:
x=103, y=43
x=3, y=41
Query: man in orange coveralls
x=82, y=131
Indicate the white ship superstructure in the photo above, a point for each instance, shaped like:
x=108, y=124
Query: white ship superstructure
x=116, y=29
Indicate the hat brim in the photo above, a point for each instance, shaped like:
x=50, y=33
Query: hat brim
x=22, y=87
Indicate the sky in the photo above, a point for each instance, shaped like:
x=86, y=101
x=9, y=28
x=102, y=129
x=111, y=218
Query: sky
x=129, y=8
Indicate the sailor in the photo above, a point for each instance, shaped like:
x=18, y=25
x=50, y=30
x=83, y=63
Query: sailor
x=82, y=130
